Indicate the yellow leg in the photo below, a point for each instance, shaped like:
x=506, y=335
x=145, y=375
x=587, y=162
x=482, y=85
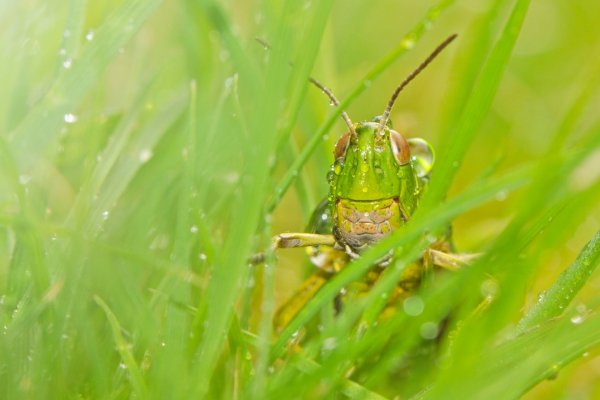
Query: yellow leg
x=307, y=291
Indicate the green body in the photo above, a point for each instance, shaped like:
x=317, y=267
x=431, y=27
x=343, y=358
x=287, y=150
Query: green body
x=371, y=193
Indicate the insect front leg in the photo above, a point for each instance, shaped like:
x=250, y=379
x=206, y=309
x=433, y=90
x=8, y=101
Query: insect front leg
x=294, y=240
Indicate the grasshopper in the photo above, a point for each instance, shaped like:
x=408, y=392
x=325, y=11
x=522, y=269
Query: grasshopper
x=376, y=181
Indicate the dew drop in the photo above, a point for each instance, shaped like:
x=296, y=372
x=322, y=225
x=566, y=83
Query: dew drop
x=68, y=63
x=24, y=179
x=70, y=118
x=364, y=168
x=337, y=169
x=194, y=229
x=501, y=195
x=577, y=319
x=89, y=36
x=365, y=189
x=105, y=214
x=413, y=306
x=429, y=330
x=408, y=43
x=145, y=155
x=329, y=343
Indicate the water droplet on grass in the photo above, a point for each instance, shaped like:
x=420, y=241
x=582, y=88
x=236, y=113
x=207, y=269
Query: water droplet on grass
x=70, y=118
x=413, y=306
x=429, y=330
x=145, y=155
x=68, y=63
x=577, y=319
x=89, y=36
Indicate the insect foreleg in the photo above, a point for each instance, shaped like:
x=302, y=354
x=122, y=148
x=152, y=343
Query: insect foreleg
x=293, y=240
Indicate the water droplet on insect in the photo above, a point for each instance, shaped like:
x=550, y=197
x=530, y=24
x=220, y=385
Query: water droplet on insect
x=145, y=155
x=586, y=354
x=365, y=189
x=364, y=168
x=89, y=36
x=68, y=63
x=105, y=214
x=194, y=229
x=324, y=217
x=337, y=169
x=413, y=305
x=330, y=176
x=70, y=118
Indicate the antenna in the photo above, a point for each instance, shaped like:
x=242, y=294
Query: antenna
x=323, y=89
x=410, y=77
x=335, y=102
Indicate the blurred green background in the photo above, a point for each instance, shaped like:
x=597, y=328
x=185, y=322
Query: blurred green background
x=144, y=147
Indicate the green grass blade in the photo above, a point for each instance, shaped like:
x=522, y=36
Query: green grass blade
x=74, y=83
x=124, y=349
x=552, y=303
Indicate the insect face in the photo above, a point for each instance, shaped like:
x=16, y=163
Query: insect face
x=374, y=187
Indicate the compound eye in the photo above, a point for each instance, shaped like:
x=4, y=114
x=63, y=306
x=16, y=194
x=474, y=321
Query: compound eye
x=400, y=148
x=341, y=146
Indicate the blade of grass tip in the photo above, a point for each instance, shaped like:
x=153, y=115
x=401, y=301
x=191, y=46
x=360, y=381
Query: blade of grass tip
x=74, y=82
x=557, y=298
x=476, y=108
x=435, y=218
x=405, y=44
x=124, y=349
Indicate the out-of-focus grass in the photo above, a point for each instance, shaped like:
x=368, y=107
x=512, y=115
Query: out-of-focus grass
x=148, y=148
